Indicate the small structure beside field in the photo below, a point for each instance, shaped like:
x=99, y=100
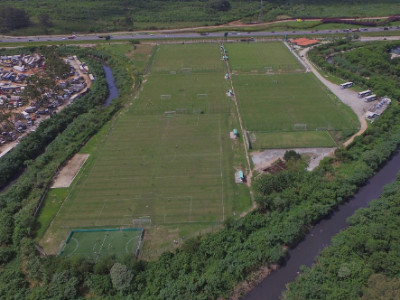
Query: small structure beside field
x=239, y=177
x=303, y=42
x=234, y=134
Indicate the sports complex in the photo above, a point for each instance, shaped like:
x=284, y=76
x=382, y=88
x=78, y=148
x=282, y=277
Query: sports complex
x=164, y=169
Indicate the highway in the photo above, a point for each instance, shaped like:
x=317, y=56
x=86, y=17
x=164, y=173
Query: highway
x=174, y=35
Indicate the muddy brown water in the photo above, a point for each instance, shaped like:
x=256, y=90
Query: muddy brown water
x=320, y=236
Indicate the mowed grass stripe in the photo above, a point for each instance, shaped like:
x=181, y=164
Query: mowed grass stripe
x=261, y=57
x=299, y=139
x=160, y=193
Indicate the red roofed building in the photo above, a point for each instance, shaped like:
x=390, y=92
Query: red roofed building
x=303, y=42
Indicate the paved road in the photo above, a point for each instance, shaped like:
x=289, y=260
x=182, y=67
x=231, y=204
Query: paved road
x=170, y=35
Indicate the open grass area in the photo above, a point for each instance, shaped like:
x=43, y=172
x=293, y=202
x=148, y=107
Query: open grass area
x=261, y=58
x=286, y=102
x=184, y=93
x=187, y=58
x=175, y=169
x=96, y=244
x=289, y=109
x=295, y=139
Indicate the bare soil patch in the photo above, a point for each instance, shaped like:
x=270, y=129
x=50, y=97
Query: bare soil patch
x=69, y=171
x=264, y=159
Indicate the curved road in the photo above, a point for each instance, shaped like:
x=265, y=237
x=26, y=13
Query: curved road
x=172, y=35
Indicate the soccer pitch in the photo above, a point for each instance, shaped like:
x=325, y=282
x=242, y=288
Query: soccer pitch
x=103, y=242
x=187, y=58
x=260, y=58
x=274, y=107
x=184, y=93
x=168, y=157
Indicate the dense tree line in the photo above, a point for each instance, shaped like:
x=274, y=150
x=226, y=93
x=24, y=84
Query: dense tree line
x=370, y=65
x=12, y=18
x=205, y=267
x=363, y=261
x=53, y=16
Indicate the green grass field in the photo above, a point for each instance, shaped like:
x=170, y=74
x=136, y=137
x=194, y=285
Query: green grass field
x=97, y=244
x=289, y=108
x=279, y=102
x=297, y=139
x=184, y=93
x=176, y=169
x=261, y=58
x=187, y=58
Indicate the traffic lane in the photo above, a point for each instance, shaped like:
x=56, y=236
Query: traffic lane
x=193, y=35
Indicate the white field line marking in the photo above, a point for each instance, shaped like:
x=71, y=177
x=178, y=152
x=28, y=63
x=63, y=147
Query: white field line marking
x=331, y=138
x=220, y=169
x=101, y=247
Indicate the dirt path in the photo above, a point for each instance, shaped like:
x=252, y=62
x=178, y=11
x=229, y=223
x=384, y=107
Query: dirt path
x=250, y=174
x=69, y=171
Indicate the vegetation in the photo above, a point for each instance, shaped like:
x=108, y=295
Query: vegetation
x=52, y=16
x=370, y=66
x=363, y=261
x=12, y=18
x=365, y=257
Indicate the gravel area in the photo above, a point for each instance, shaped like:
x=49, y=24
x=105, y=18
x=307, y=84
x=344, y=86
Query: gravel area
x=263, y=159
x=69, y=171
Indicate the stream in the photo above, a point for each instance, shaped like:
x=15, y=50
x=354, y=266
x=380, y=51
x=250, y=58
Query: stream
x=112, y=89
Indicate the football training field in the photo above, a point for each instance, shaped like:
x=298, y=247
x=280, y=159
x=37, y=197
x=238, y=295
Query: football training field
x=281, y=105
x=167, y=161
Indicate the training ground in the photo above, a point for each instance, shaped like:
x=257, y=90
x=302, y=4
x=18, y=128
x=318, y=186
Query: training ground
x=98, y=243
x=167, y=157
x=282, y=106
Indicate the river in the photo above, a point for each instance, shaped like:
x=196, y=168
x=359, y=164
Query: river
x=112, y=89
x=320, y=236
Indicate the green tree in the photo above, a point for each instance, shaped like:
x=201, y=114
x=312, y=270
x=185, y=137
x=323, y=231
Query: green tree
x=121, y=277
x=45, y=21
x=220, y=5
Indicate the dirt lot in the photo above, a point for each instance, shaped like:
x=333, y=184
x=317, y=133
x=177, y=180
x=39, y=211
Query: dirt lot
x=265, y=158
x=69, y=171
